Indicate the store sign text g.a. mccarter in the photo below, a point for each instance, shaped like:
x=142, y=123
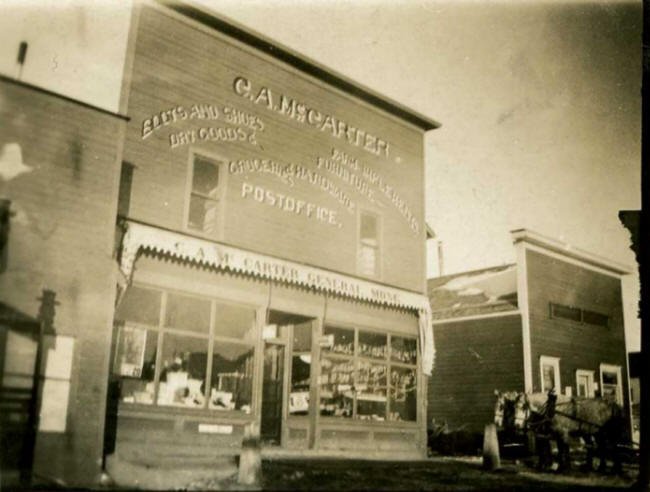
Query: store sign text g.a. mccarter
x=302, y=113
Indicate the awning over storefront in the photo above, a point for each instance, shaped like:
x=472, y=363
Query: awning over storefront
x=140, y=237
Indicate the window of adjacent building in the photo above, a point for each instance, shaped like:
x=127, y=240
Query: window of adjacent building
x=300, y=369
x=183, y=350
x=549, y=373
x=566, y=312
x=579, y=315
x=205, y=200
x=585, y=383
x=594, y=318
x=610, y=383
x=369, y=248
x=368, y=375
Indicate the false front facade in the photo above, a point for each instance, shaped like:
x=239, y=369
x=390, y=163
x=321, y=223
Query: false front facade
x=554, y=319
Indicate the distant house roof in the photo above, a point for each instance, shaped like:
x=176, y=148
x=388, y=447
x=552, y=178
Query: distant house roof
x=484, y=291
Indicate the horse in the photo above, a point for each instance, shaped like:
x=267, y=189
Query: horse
x=560, y=418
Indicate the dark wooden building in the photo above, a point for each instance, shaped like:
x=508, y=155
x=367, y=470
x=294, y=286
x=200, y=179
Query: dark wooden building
x=59, y=172
x=552, y=319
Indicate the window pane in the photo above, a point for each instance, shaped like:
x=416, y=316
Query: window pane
x=302, y=337
x=135, y=361
x=373, y=345
x=232, y=377
x=182, y=378
x=371, y=391
x=548, y=374
x=610, y=378
x=188, y=313
x=403, y=349
x=300, y=378
x=343, y=340
x=337, y=380
x=403, y=395
x=368, y=227
x=140, y=305
x=367, y=260
x=565, y=312
x=206, y=177
x=594, y=318
x=203, y=214
x=235, y=322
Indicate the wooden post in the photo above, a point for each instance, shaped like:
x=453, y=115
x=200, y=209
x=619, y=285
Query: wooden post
x=250, y=459
x=491, y=459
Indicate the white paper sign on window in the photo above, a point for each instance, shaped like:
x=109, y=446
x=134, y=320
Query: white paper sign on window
x=56, y=370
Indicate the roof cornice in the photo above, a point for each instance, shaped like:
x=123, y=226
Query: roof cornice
x=565, y=249
x=248, y=36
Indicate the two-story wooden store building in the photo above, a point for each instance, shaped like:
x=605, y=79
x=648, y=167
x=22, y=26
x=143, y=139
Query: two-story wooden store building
x=554, y=319
x=274, y=250
x=270, y=256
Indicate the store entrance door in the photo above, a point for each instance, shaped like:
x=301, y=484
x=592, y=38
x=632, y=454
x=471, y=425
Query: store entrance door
x=272, y=393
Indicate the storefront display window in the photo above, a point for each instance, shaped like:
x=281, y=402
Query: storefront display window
x=140, y=305
x=187, y=313
x=199, y=336
x=373, y=378
x=371, y=391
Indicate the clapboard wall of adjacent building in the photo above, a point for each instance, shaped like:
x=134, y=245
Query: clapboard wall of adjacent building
x=578, y=345
x=181, y=68
x=60, y=239
x=473, y=358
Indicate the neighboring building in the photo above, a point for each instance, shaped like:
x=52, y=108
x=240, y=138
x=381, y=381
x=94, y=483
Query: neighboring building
x=59, y=171
x=554, y=319
x=268, y=266
x=634, y=359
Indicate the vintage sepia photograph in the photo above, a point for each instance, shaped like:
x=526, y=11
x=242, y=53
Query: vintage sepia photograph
x=322, y=245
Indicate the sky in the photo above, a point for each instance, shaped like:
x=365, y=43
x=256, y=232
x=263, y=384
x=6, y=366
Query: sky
x=539, y=102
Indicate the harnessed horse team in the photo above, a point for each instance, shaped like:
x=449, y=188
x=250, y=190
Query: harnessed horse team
x=549, y=417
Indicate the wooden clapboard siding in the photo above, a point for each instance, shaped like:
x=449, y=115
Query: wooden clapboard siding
x=62, y=238
x=178, y=62
x=579, y=346
x=473, y=358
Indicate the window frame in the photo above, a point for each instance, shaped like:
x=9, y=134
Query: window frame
x=377, y=275
x=581, y=311
x=604, y=367
x=210, y=338
x=221, y=162
x=552, y=361
x=591, y=389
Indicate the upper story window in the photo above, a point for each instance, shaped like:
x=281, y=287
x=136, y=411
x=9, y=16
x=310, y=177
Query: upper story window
x=369, y=251
x=578, y=315
x=206, y=195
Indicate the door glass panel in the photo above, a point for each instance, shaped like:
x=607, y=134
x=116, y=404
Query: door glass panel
x=272, y=393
